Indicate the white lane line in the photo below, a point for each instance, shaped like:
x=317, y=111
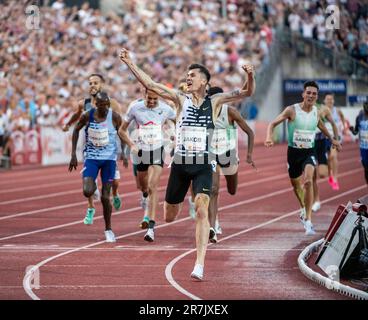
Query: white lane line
x=79, y=190
x=170, y=266
x=148, y=249
x=28, y=276
x=271, y=178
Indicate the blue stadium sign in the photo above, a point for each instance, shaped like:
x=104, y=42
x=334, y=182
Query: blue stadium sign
x=293, y=88
x=337, y=86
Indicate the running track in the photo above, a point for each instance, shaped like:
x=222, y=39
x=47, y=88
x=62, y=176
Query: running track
x=41, y=214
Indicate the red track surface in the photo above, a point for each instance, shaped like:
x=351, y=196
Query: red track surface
x=41, y=213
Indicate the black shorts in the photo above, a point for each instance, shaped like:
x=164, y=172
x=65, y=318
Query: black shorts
x=227, y=159
x=320, y=148
x=181, y=175
x=297, y=160
x=149, y=158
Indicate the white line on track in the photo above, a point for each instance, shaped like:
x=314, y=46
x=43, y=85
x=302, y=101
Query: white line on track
x=28, y=276
x=168, y=270
x=139, y=208
x=79, y=190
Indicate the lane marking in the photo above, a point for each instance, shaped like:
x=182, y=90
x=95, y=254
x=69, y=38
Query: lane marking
x=168, y=270
x=28, y=276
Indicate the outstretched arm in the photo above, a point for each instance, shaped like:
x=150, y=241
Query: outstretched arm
x=331, y=120
x=288, y=113
x=355, y=130
x=246, y=91
x=234, y=115
x=75, y=116
x=160, y=89
x=81, y=123
x=324, y=130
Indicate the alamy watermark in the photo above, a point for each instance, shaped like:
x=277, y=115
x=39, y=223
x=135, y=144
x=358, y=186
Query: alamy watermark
x=333, y=17
x=33, y=19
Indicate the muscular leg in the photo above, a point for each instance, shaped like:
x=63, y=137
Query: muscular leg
x=154, y=173
x=213, y=206
x=115, y=186
x=298, y=190
x=332, y=161
x=171, y=211
x=90, y=202
x=143, y=180
x=232, y=183
x=89, y=187
x=315, y=188
x=202, y=226
x=105, y=200
x=308, y=186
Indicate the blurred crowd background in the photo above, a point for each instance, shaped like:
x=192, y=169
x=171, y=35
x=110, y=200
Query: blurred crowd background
x=44, y=70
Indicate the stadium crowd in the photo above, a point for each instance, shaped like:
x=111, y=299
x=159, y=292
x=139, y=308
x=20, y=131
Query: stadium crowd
x=45, y=68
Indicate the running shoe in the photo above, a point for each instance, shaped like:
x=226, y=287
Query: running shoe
x=218, y=228
x=150, y=235
x=302, y=216
x=116, y=202
x=110, y=237
x=335, y=186
x=192, y=212
x=197, y=272
x=213, y=236
x=309, y=229
x=144, y=223
x=316, y=206
x=89, y=216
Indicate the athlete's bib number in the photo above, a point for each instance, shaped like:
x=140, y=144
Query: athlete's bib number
x=303, y=139
x=98, y=137
x=223, y=140
x=150, y=135
x=364, y=136
x=194, y=138
x=329, y=128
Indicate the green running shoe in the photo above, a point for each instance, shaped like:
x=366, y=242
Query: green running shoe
x=116, y=202
x=144, y=223
x=89, y=216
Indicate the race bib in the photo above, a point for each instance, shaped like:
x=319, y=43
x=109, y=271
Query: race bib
x=150, y=135
x=303, y=139
x=223, y=140
x=329, y=128
x=194, y=138
x=363, y=136
x=98, y=137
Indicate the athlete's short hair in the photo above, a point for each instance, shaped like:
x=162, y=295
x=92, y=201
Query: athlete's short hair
x=329, y=94
x=202, y=69
x=97, y=75
x=214, y=90
x=311, y=84
x=103, y=97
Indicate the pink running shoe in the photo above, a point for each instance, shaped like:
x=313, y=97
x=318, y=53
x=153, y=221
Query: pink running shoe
x=330, y=180
x=335, y=186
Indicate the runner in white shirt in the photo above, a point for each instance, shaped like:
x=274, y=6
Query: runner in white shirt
x=150, y=115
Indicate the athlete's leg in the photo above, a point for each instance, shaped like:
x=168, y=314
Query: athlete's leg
x=333, y=167
x=106, y=204
x=202, y=226
x=213, y=205
x=298, y=190
x=232, y=183
x=308, y=186
x=153, y=179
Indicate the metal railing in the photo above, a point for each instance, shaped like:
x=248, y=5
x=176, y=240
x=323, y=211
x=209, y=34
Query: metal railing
x=339, y=62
